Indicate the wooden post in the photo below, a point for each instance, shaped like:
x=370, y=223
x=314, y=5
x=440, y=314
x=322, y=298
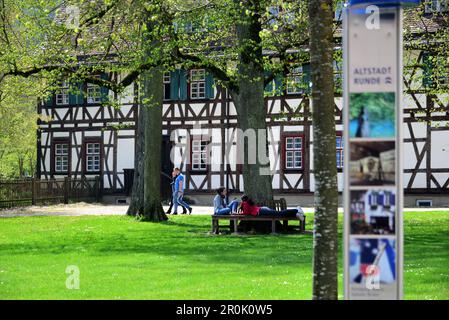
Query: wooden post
x=214, y=226
x=33, y=192
x=285, y=225
x=66, y=190
x=235, y=226
x=273, y=226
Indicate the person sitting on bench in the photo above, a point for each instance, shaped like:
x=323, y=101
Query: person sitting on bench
x=220, y=205
x=248, y=207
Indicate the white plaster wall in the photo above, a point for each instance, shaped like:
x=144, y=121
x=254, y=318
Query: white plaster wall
x=125, y=154
x=440, y=149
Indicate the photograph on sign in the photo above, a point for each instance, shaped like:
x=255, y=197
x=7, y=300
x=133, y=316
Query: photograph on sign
x=372, y=163
x=372, y=115
x=372, y=268
x=372, y=257
x=373, y=211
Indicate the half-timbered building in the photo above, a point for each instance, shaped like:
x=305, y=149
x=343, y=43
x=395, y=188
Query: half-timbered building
x=85, y=136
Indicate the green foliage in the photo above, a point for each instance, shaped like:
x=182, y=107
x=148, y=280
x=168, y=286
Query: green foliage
x=18, y=125
x=426, y=32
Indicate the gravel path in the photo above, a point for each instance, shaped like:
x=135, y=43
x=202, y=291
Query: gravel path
x=85, y=209
x=82, y=209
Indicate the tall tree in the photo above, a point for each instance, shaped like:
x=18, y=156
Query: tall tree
x=18, y=125
x=124, y=47
x=249, y=96
x=152, y=97
x=151, y=112
x=229, y=41
x=325, y=239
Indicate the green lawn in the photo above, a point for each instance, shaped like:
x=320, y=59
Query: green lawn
x=120, y=258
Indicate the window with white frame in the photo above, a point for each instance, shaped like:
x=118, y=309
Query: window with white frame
x=61, y=157
x=294, y=81
x=339, y=146
x=189, y=27
x=195, y=27
x=433, y=6
x=167, y=81
x=198, y=84
x=62, y=95
x=199, y=154
x=273, y=14
x=293, y=152
x=93, y=156
x=93, y=93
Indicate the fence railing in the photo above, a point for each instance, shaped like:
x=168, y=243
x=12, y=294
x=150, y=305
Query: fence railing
x=16, y=193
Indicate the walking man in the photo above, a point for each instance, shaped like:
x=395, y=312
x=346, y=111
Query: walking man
x=178, y=192
x=172, y=185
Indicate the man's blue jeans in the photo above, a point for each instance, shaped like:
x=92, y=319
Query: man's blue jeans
x=177, y=201
x=265, y=211
x=227, y=210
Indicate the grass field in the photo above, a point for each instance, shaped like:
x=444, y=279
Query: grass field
x=120, y=258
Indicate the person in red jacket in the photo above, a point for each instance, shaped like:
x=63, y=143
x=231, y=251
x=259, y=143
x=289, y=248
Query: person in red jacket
x=248, y=207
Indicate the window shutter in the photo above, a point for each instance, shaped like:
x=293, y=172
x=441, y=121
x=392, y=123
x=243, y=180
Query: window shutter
x=77, y=97
x=269, y=87
x=183, y=85
x=380, y=199
x=210, y=23
x=338, y=84
x=48, y=102
x=279, y=84
x=73, y=97
x=73, y=94
x=428, y=66
x=306, y=77
x=103, y=90
x=174, y=85
x=209, y=86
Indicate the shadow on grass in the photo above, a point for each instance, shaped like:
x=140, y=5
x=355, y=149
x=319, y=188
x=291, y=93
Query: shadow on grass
x=189, y=238
x=171, y=238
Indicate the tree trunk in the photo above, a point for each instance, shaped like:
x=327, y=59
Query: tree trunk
x=252, y=117
x=325, y=273
x=250, y=105
x=151, y=101
x=146, y=198
x=136, y=204
x=20, y=161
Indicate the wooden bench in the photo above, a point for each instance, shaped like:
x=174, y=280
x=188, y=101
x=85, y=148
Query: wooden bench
x=235, y=218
